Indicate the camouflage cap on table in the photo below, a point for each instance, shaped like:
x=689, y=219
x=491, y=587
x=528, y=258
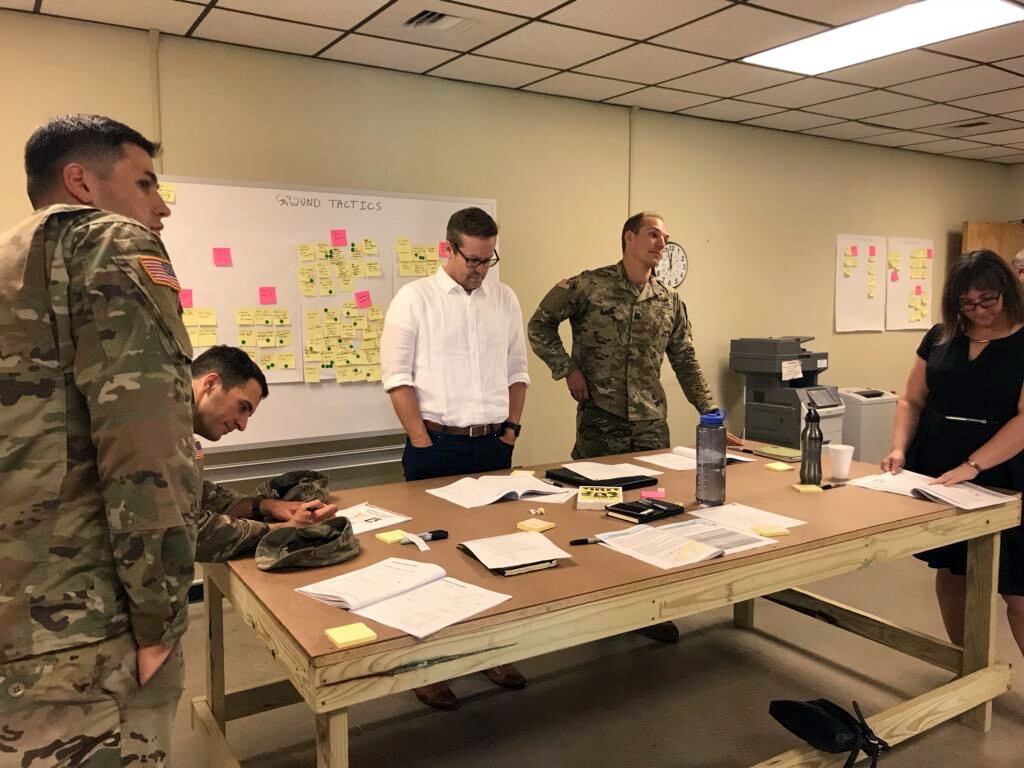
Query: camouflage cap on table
x=326, y=543
x=303, y=485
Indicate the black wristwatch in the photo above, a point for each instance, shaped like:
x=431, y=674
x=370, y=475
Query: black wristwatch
x=516, y=428
x=255, y=510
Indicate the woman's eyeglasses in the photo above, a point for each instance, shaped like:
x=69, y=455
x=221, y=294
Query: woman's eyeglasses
x=985, y=302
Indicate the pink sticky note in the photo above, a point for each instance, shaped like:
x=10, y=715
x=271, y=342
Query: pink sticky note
x=363, y=299
x=853, y=250
x=268, y=294
x=185, y=297
x=917, y=290
x=894, y=276
x=339, y=237
x=442, y=249
x=871, y=250
x=928, y=253
x=655, y=494
x=222, y=257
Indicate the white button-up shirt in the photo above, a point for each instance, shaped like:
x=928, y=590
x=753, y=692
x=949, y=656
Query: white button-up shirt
x=459, y=351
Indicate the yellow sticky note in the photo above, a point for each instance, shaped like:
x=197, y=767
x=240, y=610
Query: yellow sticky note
x=352, y=358
x=207, y=337
x=358, y=269
x=847, y=272
x=193, y=336
x=167, y=192
x=248, y=338
x=356, y=256
x=374, y=313
x=533, y=524
x=406, y=269
x=281, y=317
x=266, y=338
x=268, y=361
x=871, y=293
x=371, y=344
x=349, y=309
x=346, y=284
x=390, y=537
x=371, y=373
x=522, y=473
x=283, y=338
x=403, y=246
x=373, y=269
x=343, y=269
x=306, y=274
x=770, y=532
x=245, y=316
x=206, y=316
x=327, y=287
x=420, y=269
x=778, y=466
x=311, y=373
x=189, y=317
x=350, y=634
x=325, y=270
x=804, y=489
x=369, y=246
x=286, y=360
x=307, y=252
x=371, y=356
x=263, y=316
x=359, y=323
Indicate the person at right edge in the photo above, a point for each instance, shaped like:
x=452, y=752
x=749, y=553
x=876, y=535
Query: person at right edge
x=961, y=418
x=624, y=321
x=99, y=485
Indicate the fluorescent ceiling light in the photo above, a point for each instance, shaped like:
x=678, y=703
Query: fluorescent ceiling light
x=909, y=26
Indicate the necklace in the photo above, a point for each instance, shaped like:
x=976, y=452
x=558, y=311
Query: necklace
x=979, y=341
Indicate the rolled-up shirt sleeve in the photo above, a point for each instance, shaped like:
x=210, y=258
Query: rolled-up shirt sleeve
x=517, y=367
x=398, y=343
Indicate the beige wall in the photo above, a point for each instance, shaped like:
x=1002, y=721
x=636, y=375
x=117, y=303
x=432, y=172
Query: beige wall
x=757, y=210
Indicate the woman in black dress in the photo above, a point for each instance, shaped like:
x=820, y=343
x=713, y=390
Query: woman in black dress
x=961, y=418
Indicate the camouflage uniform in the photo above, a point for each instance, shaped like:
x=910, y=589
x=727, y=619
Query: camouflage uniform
x=220, y=535
x=620, y=335
x=100, y=489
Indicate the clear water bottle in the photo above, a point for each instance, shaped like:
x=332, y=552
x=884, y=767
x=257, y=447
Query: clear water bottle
x=711, y=459
x=810, y=449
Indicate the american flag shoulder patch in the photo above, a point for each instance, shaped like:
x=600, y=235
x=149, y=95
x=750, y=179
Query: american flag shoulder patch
x=199, y=451
x=160, y=271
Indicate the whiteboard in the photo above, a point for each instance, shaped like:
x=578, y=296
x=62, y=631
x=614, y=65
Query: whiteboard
x=860, y=283
x=909, y=301
x=246, y=247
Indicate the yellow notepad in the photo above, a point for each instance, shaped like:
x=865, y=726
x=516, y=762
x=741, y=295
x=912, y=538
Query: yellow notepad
x=803, y=488
x=778, y=466
x=533, y=524
x=391, y=537
x=770, y=531
x=350, y=634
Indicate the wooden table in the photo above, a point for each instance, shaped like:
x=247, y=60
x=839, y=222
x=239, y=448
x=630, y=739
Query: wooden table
x=600, y=593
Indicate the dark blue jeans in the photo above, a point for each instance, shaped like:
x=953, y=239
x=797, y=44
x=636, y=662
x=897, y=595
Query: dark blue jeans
x=455, y=455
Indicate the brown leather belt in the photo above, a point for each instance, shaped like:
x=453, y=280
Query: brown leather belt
x=480, y=430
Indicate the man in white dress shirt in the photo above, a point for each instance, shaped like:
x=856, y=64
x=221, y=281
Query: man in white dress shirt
x=453, y=358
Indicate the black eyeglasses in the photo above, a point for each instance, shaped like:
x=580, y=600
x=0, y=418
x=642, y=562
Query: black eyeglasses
x=966, y=305
x=471, y=262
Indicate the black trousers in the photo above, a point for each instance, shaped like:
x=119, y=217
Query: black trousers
x=455, y=455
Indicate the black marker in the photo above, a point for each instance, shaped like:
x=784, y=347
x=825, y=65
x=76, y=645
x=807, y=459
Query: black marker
x=428, y=536
x=830, y=486
x=589, y=540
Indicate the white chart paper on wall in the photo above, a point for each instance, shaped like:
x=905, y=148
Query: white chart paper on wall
x=909, y=299
x=301, y=278
x=860, y=283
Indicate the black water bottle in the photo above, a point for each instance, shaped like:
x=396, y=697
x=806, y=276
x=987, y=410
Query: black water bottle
x=810, y=449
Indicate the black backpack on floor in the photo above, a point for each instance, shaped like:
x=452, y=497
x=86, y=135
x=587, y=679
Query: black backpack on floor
x=830, y=728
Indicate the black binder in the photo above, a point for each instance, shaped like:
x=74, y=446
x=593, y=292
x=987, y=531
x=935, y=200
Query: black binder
x=567, y=476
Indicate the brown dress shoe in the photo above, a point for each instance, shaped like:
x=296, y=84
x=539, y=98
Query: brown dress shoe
x=506, y=676
x=438, y=696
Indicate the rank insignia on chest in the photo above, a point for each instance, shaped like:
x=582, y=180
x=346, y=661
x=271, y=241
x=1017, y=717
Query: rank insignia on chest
x=199, y=454
x=160, y=272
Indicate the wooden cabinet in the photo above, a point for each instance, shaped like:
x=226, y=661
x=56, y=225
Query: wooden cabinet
x=1006, y=239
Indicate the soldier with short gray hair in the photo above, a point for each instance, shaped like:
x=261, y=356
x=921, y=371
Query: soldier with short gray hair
x=1018, y=265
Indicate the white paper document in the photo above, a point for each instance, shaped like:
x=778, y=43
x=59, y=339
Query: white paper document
x=681, y=458
x=594, y=470
x=432, y=607
x=906, y=483
x=743, y=518
x=367, y=517
x=514, y=549
x=472, y=492
x=376, y=582
x=676, y=544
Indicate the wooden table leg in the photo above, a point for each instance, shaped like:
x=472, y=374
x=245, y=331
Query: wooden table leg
x=215, y=653
x=743, y=614
x=980, y=619
x=332, y=739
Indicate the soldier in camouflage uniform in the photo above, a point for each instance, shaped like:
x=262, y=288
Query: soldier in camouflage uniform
x=624, y=321
x=99, y=483
x=227, y=387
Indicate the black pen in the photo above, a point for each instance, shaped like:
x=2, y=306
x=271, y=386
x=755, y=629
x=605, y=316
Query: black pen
x=830, y=486
x=428, y=536
x=588, y=540
x=741, y=450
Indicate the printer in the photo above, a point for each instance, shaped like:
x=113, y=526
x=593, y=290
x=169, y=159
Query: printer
x=781, y=383
x=867, y=425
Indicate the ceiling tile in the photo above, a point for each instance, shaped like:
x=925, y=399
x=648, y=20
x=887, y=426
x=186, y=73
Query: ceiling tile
x=803, y=92
x=898, y=68
x=897, y=139
x=942, y=146
x=965, y=82
x=662, y=99
x=730, y=110
x=980, y=154
x=375, y=52
x=581, y=86
x=256, y=31
x=1001, y=137
x=173, y=18
x=1018, y=158
x=851, y=130
x=990, y=45
x=1015, y=115
x=521, y=7
x=480, y=69
x=643, y=18
x=995, y=103
x=791, y=121
x=648, y=64
x=738, y=31
x=868, y=104
x=832, y=11
x=1017, y=65
x=936, y=114
x=1019, y=145
x=390, y=23
x=326, y=13
x=18, y=5
x=971, y=126
x=731, y=79
x=551, y=46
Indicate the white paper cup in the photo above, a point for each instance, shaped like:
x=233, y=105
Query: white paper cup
x=840, y=457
